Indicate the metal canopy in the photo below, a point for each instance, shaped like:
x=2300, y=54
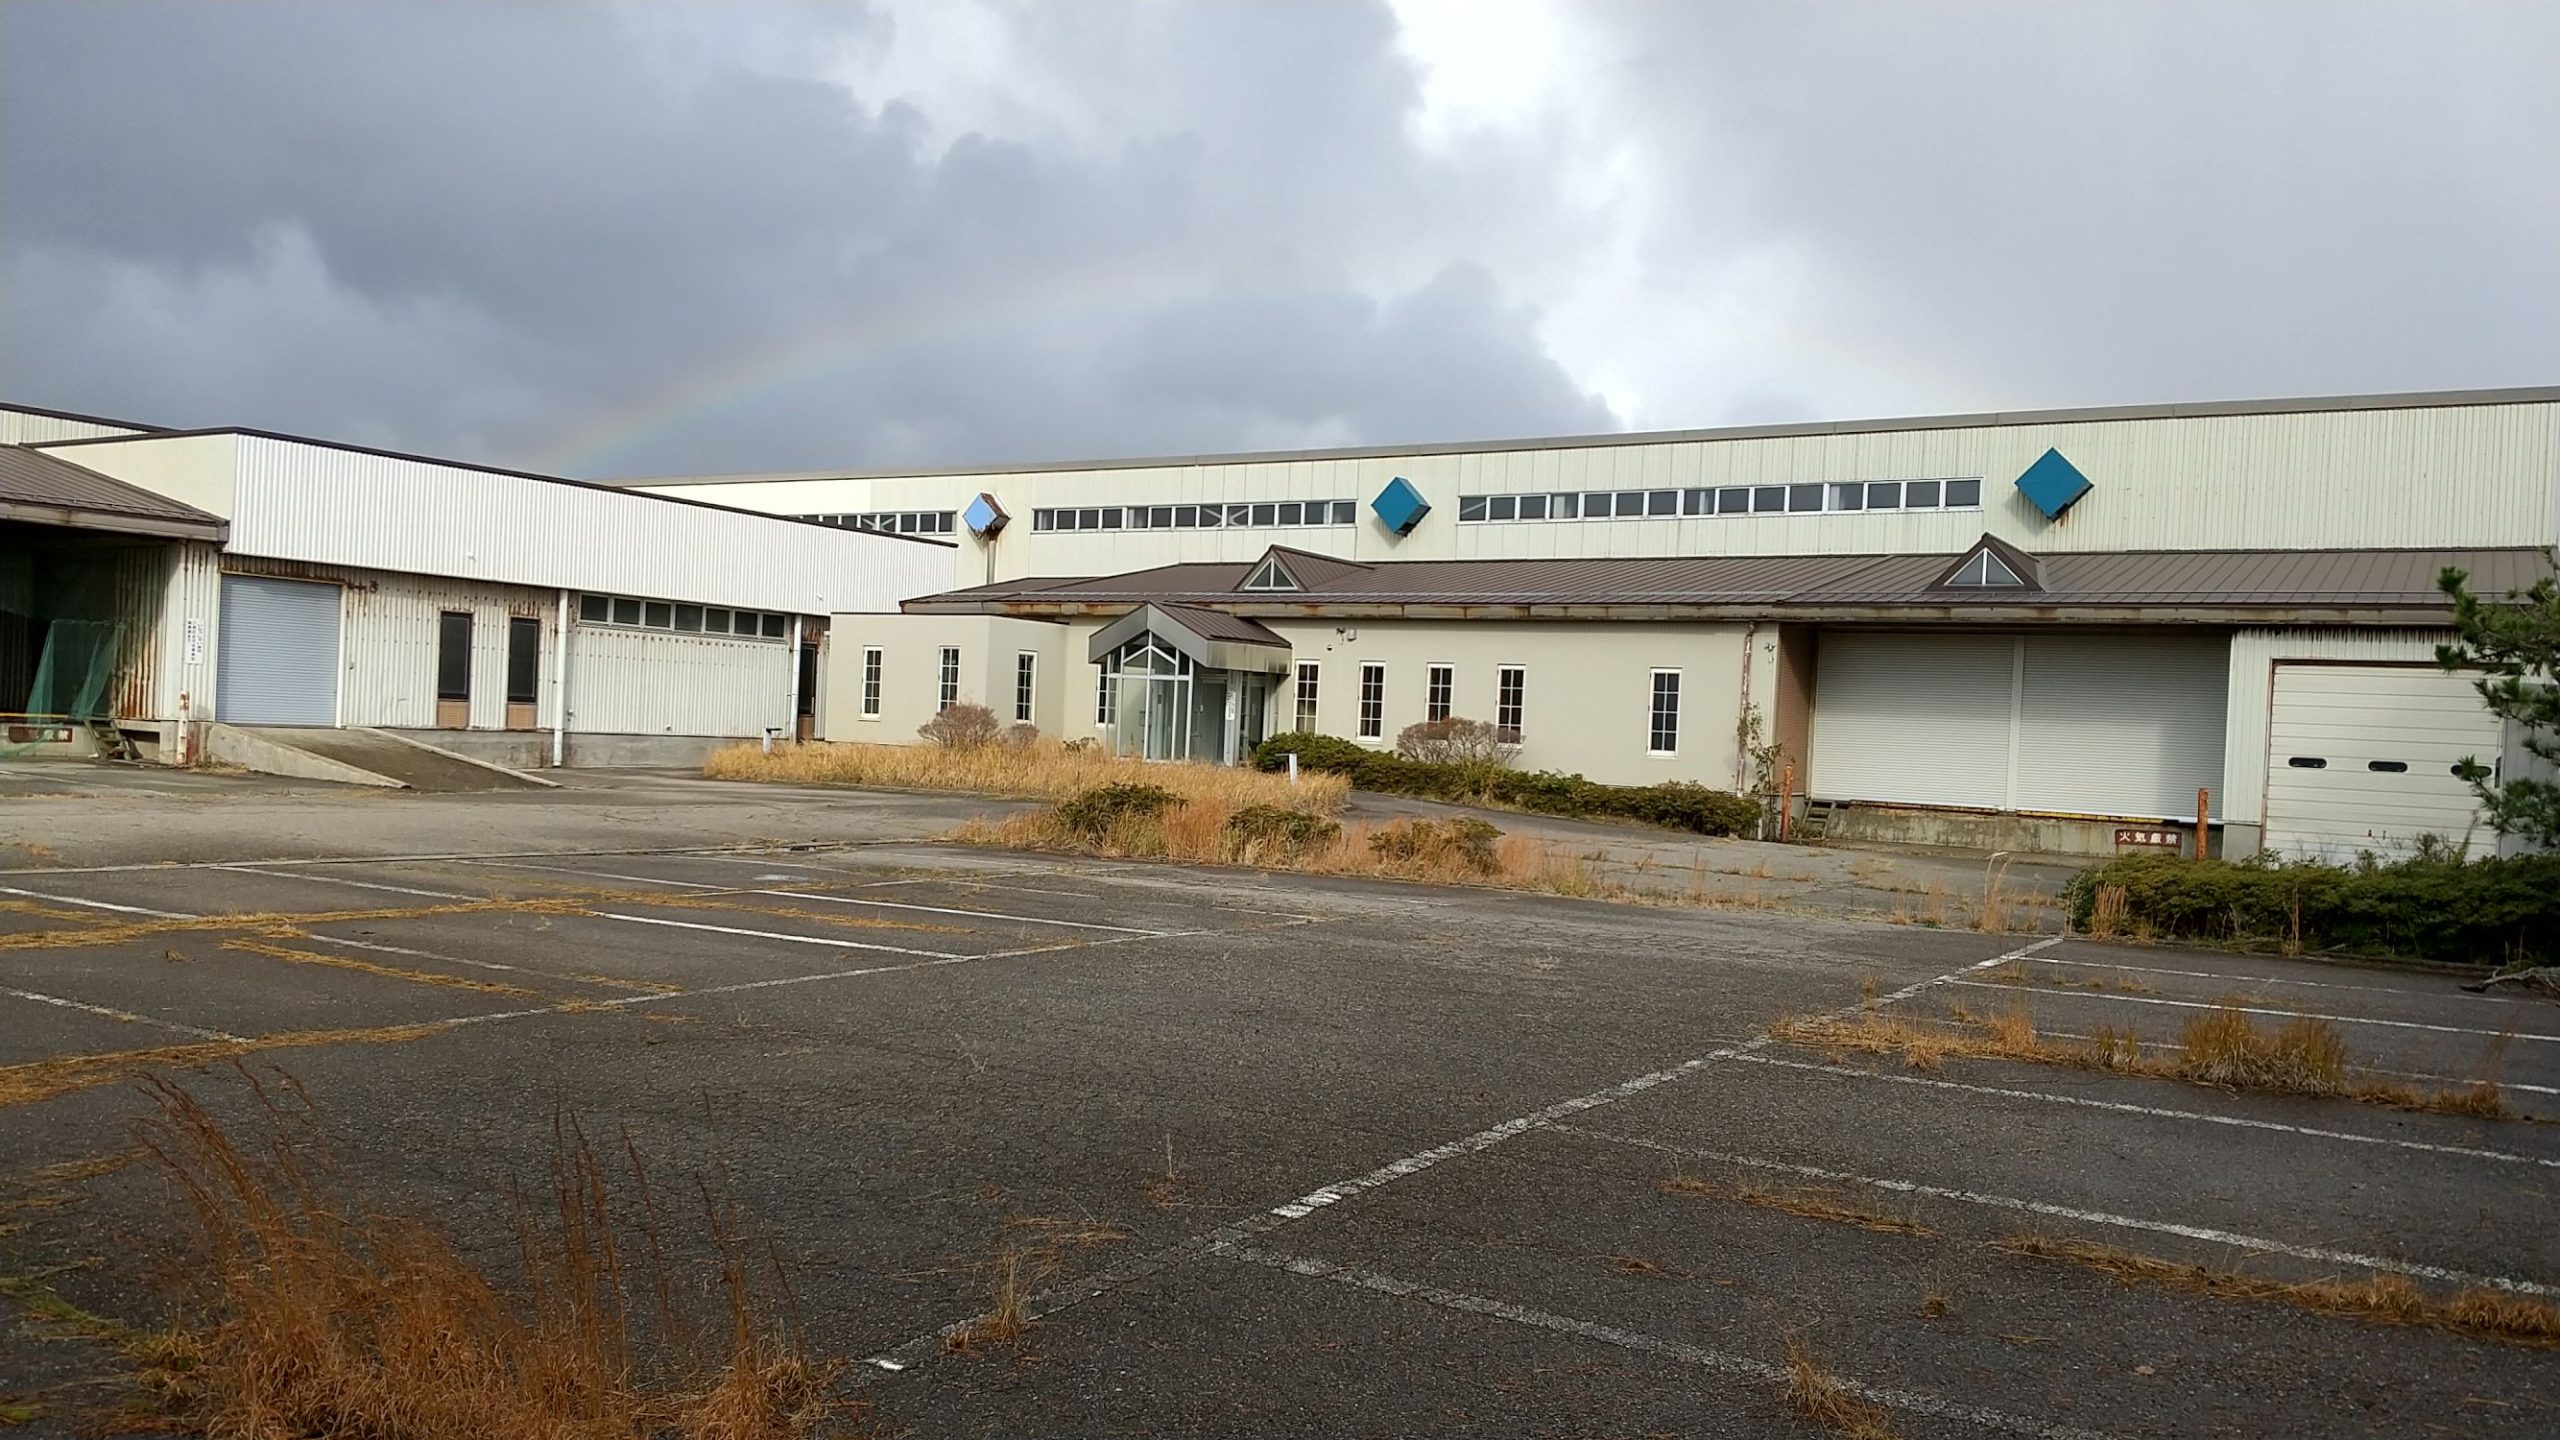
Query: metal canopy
x=1207, y=637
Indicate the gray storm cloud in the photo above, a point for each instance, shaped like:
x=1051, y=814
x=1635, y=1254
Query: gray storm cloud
x=627, y=239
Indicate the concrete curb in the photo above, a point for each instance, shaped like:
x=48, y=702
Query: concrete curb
x=490, y=765
x=231, y=745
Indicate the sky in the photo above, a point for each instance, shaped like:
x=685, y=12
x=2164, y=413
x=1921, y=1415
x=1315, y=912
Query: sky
x=662, y=238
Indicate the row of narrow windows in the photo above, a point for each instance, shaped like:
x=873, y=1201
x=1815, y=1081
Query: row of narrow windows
x=1817, y=498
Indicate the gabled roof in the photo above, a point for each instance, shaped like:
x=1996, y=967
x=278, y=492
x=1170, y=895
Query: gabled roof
x=46, y=490
x=1993, y=557
x=2253, y=586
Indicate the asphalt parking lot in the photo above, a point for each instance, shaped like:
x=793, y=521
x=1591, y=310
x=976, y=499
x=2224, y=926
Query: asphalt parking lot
x=1344, y=1158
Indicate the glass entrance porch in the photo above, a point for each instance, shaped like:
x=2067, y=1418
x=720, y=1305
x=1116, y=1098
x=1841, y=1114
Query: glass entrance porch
x=1171, y=699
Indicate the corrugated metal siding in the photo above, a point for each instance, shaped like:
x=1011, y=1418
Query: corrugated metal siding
x=20, y=427
x=2254, y=654
x=646, y=682
x=2466, y=475
x=141, y=582
x=315, y=503
x=191, y=599
x=392, y=632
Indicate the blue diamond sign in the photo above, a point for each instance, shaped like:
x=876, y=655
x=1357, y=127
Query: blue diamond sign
x=2052, y=483
x=1400, y=506
x=984, y=517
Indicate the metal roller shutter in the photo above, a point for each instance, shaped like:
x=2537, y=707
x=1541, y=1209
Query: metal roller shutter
x=2362, y=757
x=1913, y=719
x=2125, y=725
x=2114, y=725
x=276, y=661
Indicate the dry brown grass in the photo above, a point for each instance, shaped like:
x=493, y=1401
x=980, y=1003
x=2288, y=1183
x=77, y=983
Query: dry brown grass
x=63, y=1074
x=2224, y=1048
x=1044, y=770
x=2107, y=912
x=1927, y=906
x=1030, y=1249
x=1817, y=1396
x=292, y=956
x=1811, y=1202
x=306, y=1315
x=2478, y=1314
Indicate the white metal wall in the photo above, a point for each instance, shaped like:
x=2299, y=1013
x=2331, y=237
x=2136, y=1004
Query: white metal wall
x=2455, y=475
x=27, y=427
x=652, y=682
x=189, y=632
x=392, y=635
x=2365, y=758
x=318, y=504
x=2254, y=654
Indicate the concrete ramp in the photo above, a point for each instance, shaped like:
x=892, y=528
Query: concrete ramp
x=359, y=757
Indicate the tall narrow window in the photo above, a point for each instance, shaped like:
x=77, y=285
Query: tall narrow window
x=1106, y=693
x=871, y=684
x=1373, y=701
x=1440, y=681
x=1023, y=664
x=947, y=688
x=1307, y=674
x=453, y=670
x=1664, y=737
x=1510, y=691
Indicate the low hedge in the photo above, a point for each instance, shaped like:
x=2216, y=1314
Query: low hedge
x=1677, y=804
x=2478, y=912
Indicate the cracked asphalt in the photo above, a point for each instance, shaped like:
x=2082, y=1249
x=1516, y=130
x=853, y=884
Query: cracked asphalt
x=1341, y=1158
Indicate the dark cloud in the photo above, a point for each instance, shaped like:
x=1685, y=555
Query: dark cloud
x=524, y=231
x=664, y=237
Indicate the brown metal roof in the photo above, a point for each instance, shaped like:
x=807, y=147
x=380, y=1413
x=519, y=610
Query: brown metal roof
x=2385, y=584
x=1219, y=625
x=38, y=487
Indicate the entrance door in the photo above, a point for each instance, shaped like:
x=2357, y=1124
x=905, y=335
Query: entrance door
x=805, y=723
x=277, y=656
x=453, y=670
x=524, y=671
x=2366, y=757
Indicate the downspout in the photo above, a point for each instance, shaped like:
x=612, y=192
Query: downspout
x=1742, y=721
x=791, y=716
x=560, y=688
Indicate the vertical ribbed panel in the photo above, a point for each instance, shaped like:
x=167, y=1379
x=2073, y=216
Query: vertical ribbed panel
x=2254, y=654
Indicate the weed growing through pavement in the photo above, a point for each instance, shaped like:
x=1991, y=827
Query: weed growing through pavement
x=1029, y=1251
x=1811, y=1202
x=2224, y=1048
x=1815, y=1395
x=303, y=1312
x=2478, y=1313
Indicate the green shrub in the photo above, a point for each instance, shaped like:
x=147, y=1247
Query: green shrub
x=2433, y=908
x=1677, y=804
x=1461, y=839
x=1277, y=832
x=1093, y=813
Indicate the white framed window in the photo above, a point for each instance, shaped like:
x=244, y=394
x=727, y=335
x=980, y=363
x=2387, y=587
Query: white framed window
x=1438, y=682
x=1373, y=701
x=1024, y=665
x=1510, y=694
x=1106, y=692
x=1663, y=736
x=947, y=685
x=871, y=684
x=1308, y=675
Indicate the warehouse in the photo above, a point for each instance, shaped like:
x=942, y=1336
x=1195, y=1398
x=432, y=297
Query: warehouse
x=2040, y=630
x=264, y=580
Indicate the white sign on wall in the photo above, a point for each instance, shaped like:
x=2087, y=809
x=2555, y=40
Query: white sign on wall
x=195, y=640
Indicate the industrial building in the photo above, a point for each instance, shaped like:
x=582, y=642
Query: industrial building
x=178, y=594
x=2043, y=630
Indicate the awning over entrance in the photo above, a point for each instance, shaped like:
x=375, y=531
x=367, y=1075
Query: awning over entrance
x=1208, y=638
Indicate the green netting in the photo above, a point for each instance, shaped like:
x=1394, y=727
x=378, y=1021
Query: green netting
x=60, y=640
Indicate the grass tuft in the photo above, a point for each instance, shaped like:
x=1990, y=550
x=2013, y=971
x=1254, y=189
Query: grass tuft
x=1042, y=770
x=1812, y=1202
x=1815, y=1395
x=2478, y=1314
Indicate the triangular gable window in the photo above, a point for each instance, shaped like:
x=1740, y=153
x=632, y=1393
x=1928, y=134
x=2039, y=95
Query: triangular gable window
x=1985, y=570
x=1271, y=575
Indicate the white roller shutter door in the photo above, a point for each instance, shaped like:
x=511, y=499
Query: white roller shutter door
x=276, y=657
x=2126, y=725
x=2082, y=724
x=1911, y=718
x=2362, y=757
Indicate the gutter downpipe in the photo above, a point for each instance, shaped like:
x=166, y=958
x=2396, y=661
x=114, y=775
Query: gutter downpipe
x=560, y=687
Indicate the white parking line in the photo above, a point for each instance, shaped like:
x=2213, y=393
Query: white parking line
x=98, y=904
x=2361, y=1070
x=2261, y=979
x=829, y=941
x=354, y=884
x=124, y=1015
x=1741, y=1367
x=2157, y=1112
x=2274, y=1010
x=836, y=899
x=2066, y=1212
